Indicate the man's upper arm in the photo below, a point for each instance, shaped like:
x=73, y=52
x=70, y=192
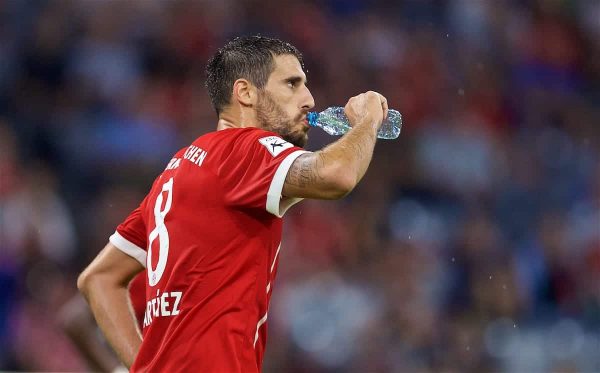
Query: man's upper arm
x=130, y=236
x=113, y=265
x=253, y=175
x=124, y=255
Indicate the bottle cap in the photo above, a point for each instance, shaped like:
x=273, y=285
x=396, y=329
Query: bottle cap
x=312, y=118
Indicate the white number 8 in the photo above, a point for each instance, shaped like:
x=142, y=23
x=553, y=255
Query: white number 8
x=161, y=232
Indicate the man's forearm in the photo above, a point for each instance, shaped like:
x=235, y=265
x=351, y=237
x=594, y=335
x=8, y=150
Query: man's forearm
x=354, y=150
x=110, y=306
x=334, y=171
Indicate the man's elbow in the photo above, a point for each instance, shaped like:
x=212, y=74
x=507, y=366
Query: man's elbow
x=84, y=280
x=342, y=183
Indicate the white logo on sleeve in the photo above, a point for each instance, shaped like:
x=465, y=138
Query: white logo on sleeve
x=274, y=144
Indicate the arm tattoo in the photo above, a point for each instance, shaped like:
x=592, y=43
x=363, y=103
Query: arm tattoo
x=306, y=170
x=313, y=173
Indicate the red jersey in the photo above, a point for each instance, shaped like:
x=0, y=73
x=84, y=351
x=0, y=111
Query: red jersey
x=209, y=233
x=137, y=296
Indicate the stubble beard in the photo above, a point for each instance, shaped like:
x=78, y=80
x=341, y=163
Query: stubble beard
x=272, y=118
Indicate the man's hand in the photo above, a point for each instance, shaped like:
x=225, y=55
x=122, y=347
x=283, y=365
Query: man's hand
x=334, y=171
x=369, y=108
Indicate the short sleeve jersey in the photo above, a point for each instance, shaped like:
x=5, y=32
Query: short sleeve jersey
x=209, y=234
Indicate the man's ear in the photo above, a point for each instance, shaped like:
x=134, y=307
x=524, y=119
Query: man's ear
x=245, y=92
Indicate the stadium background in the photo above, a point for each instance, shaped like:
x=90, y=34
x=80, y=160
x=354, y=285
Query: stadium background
x=472, y=244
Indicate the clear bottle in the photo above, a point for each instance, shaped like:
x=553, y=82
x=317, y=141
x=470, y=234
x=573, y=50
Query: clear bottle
x=333, y=121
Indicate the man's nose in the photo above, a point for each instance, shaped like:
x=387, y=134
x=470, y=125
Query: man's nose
x=308, y=102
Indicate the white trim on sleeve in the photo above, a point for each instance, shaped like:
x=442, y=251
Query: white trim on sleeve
x=275, y=204
x=128, y=248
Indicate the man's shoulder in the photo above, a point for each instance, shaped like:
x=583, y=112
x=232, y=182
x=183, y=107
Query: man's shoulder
x=236, y=138
x=237, y=133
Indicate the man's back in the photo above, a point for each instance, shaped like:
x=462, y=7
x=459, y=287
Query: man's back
x=212, y=251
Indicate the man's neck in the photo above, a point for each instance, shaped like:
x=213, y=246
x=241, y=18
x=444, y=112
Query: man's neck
x=224, y=124
x=236, y=119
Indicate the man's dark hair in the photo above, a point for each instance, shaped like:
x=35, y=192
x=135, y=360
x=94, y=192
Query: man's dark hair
x=248, y=57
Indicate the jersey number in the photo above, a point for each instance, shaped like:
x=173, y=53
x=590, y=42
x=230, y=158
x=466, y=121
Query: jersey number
x=160, y=232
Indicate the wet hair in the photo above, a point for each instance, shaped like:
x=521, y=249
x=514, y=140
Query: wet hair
x=248, y=57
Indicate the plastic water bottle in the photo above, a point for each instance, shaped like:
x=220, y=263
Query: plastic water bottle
x=334, y=122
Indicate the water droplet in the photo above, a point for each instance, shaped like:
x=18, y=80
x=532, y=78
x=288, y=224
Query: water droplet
x=461, y=92
x=514, y=325
x=504, y=287
x=468, y=348
x=453, y=259
x=409, y=236
x=490, y=277
x=447, y=35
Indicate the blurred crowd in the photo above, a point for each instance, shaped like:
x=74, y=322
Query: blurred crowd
x=472, y=244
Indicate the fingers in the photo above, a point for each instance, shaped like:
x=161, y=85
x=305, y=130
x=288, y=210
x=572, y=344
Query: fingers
x=382, y=101
x=384, y=105
x=372, y=95
x=369, y=106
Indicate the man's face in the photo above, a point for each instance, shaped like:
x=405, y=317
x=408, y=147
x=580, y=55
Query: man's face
x=285, y=101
